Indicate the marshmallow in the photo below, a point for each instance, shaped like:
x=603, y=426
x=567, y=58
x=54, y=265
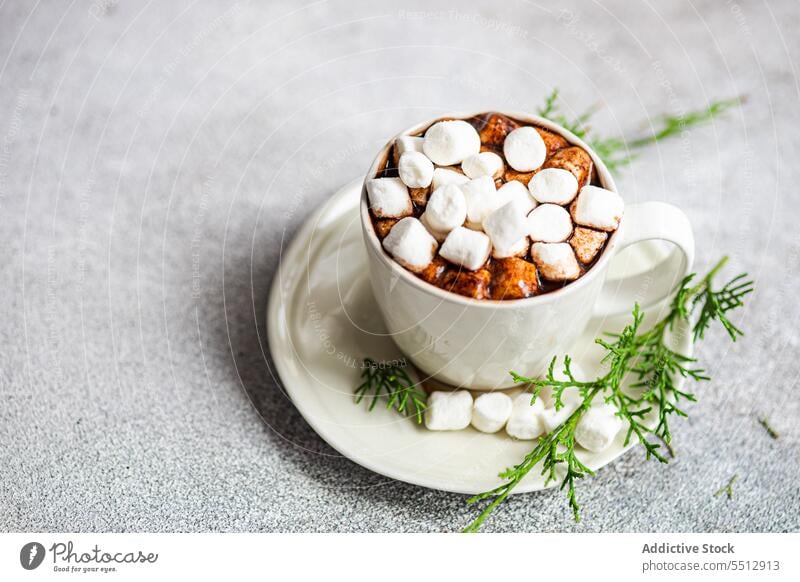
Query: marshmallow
x=552, y=418
x=437, y=234
x=410, y=244
x=524, y=149
x=515, y=190
x=506, y=225
x=549, y=223
x=465, y=247
x=448, y=410
x=597, y=427
x=599, y=208
x=388, y=198
x=555, y=261
x=415, y=169
x=518, y=249
x=482, y=200
x=451, y=142
x=525, y=422
x=554, y=185
x=483, y=164
x=587, y=243
x=446, y=209
x=407, y=143
x=490, y=412
x=443, y=177
x=571, y=399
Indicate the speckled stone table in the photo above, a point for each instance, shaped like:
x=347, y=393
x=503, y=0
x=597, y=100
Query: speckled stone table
x=156, y=158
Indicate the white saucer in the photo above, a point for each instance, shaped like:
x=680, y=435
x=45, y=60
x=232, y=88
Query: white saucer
x=322, y=321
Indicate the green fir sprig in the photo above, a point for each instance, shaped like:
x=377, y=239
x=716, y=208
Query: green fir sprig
x=392, y=382
x=646, y=406
x=617, y=152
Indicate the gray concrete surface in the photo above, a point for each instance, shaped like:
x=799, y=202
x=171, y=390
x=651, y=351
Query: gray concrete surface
x=155, y=158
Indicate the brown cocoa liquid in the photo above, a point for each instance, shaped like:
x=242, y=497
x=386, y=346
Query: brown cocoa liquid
x=498, y=279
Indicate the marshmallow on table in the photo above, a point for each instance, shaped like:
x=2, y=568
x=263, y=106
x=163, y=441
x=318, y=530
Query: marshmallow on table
x=482, y=199
x=587, y=243
x=515, y=190
x=555, y=261
x=451, y=142
x=443, y=177
x=467, y=248
x=506, y=225
x=415, y=169
x=599, y=208
x=448, y=410
x=490, y=412
x=407, y=143
x=483, y=164
x=549, y=223
x=598, y=427
x=554, y=185
x=388, y=198
x=525, y=422
x=411, y=244
x=524, y=149
x=446, y=209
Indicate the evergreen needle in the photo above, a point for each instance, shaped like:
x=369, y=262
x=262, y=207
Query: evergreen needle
x=392, y=383
x=619, y=151
x=727, y=489
x=649, y=403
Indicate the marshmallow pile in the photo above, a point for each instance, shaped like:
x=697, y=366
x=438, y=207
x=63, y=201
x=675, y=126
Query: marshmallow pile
x=507, y=192
x=493, y=411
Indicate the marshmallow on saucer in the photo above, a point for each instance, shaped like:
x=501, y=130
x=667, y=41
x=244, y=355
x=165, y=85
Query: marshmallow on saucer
x=407, y=143
x=443, y=177
x=448, y=410
x=555, y=261
x=597, y=427
x=515, y=190
x=524, y=149
x=525, y=422
x=415, y=169
x=587, y=243
x=446, y=209
x=549, y=223
x=466, y=247
x=410, y=244
x=491, y=411
x=482, y=200
x=599, y=208
x=451, y=142
x=506, y=225
x=552, y=418
x=553, y=185
x=388, y=198
x=483, y=164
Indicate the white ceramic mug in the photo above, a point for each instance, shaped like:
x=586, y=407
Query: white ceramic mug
x=475, y=343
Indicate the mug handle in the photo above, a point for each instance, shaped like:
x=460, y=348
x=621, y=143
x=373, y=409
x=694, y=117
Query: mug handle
x=657, y=282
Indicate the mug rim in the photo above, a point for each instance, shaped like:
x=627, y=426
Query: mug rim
x=606, y=180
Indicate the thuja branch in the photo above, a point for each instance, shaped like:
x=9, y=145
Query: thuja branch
x=620, y=151
x=654, y=397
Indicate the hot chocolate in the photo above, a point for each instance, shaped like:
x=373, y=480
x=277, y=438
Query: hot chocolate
x=491, y=208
